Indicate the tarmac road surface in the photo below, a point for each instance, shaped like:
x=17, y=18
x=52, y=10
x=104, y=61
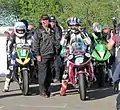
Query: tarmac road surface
x=98, y=99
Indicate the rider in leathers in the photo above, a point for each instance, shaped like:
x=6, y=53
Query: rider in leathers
x=20, y=36
x=79, y=40
x=100, y=35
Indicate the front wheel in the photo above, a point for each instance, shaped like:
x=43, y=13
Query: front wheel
x=82, y=86
x=25, y=82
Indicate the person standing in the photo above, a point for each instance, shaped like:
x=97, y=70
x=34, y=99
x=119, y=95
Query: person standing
x=45, y=48
x=57, y=60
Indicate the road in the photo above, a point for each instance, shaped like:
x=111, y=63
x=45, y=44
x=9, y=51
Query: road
x=98, y=99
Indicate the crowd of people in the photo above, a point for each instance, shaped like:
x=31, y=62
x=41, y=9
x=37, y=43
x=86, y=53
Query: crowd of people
x=46, y=43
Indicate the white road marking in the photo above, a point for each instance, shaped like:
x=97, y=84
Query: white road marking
x=29, y=106
x=1, y=107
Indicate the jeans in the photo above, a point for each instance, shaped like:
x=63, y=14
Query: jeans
x=116, y=75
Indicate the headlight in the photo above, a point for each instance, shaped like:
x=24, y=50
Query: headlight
x=70, y=57
x=87, y=55
x=79, y=60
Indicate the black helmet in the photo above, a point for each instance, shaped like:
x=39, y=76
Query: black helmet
x=52, y=19
x=25, y=22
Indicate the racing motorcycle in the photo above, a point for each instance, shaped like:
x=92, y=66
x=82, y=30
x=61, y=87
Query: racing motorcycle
x=77, y=72
x=100, y=57
x=22, y=62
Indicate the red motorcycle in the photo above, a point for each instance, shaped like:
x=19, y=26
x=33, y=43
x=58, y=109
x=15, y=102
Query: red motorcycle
x=78, y=73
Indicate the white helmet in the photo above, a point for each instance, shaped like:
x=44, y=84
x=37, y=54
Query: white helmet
x=74, y=21
x=19, y=26
x=96, y=27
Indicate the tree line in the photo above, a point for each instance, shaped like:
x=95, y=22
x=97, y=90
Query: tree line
x=89, y=11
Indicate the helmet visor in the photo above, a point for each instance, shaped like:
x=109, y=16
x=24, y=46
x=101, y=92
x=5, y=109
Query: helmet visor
x=20, y=31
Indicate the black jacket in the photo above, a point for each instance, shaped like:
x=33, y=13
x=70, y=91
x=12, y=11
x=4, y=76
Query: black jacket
x=58, y=32
x=45, y=44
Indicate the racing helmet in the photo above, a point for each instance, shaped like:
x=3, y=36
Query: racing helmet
x=96, y=27
x=74, y=21
x=25, y=22
x=20, y=29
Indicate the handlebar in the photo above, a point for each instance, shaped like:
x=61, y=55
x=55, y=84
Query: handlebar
x=21, y=45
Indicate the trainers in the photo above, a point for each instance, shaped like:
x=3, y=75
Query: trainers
x=7, y=84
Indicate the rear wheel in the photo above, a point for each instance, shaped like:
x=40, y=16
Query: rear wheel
x=82, y=86
x=25, y=83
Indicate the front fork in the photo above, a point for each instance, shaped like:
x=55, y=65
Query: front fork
x=19, y=76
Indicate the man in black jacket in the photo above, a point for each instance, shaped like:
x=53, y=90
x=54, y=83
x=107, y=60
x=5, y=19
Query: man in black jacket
x=45, y=47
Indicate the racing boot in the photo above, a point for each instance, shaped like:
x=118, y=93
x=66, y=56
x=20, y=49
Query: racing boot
x=63, y=88
x=7, y=84
x=64, y=84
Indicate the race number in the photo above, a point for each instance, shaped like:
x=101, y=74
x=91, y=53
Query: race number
x=23, y=52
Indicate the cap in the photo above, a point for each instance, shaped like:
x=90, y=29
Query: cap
x=44, y=17
x=52, y=19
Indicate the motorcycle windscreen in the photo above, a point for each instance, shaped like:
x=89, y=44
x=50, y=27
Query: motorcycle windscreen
x=22, y=53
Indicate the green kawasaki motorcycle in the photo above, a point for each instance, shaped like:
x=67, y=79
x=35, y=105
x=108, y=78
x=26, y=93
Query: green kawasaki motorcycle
x=100, y=57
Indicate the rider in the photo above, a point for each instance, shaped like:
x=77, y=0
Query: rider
x=96, y=32
x=78, y=39
x=20, y=36
x=102, y=33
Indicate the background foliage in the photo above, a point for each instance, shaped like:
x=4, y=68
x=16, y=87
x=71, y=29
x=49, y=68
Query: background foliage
x=89, y=11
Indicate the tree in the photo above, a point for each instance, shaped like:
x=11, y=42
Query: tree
x=89, y=11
